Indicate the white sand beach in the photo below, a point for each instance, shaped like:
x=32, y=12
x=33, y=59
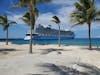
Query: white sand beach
x=49, y=60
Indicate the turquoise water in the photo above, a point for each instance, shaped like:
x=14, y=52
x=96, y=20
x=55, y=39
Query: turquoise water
x=81, y=42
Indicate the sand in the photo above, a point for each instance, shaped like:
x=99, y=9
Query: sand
x=49, y=60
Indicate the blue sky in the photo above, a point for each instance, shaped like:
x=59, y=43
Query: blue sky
x=60, y=8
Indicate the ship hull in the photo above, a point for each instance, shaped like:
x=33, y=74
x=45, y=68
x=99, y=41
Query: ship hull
x=47, y=38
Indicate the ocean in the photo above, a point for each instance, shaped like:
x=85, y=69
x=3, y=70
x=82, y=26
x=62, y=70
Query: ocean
x=77, y=41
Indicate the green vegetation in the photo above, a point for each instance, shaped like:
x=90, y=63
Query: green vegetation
x=6, y=24
x=85, y=13
x=33, y=12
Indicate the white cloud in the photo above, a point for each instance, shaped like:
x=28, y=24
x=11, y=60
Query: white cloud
x=68, y=2
x=45, y=18
x=63, y=13
x=16, y=18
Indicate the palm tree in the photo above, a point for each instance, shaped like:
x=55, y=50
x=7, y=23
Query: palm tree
x=33, y=13
x=85, y=13
x=57, y=21
x=6, y=23
x=26, y=18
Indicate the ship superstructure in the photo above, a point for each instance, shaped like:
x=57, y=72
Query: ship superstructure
x=42, y=32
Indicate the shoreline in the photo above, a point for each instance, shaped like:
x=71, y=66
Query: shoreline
x=19, y=49
x=74, y=42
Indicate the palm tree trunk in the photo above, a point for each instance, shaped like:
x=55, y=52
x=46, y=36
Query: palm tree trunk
x=31, y=11
x=59, y=41
x=7, y=37
x=89, y=33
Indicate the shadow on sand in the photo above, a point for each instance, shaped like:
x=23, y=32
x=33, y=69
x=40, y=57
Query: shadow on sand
x=47, y=51
x=7, y=51
x=63, y=70
x=97, y=49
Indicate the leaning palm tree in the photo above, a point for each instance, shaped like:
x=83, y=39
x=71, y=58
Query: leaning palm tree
x=57, y=21
x=32, y=10
x=6, y=23
x=85, y=13
x=26, y=18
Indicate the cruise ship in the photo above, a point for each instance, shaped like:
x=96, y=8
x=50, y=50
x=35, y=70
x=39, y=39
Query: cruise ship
x=47, y=33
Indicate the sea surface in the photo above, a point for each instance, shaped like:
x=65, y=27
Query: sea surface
x=78, y=41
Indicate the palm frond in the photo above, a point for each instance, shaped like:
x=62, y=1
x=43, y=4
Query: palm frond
x=25, y=3
x=87, y=13
x=78, y=6
x=56, y=19
x=27, y=15
x=12, y=22
x=90, y=10
x=36, y=12
x=92, y=3
x=5, y=27
x=77, y=24
x=26, y=18
x=26, y=21
x=85, y=3
x=5, y=22
x=1, y=17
